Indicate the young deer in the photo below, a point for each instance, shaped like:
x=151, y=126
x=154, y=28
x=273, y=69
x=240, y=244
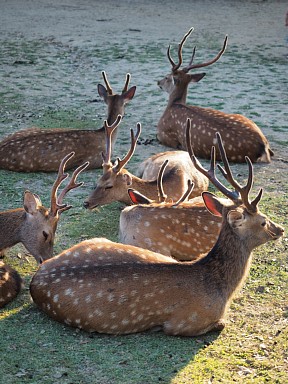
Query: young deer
x=184, y=230
x=35, y=225
x=36, y=149
x=116, y=180
x=88, y=287
x=241, y=136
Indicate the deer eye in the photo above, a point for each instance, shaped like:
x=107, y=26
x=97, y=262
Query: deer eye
x=263, y=224
x=45, y=234
x=108, y=187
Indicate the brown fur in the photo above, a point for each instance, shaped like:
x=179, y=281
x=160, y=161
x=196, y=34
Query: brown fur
x=36, y=149
x=241, y=136
x=10, y=284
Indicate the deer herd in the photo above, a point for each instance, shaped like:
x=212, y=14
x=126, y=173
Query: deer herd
x=182, y=251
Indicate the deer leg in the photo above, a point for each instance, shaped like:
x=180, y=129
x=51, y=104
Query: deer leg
x=189, y=326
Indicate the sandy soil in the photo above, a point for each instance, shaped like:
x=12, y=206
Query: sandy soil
x=53, y=53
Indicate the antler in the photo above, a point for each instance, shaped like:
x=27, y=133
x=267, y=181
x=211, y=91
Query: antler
x=241, y=194
x=227, y=173
x=190, y=186
x=177, y=66
x=56, y=206
x=217, y=57
x=161, y=194
x=108, y=86
x=108, y=131
x=128, y=77
x=121, y=163
x=71, y=185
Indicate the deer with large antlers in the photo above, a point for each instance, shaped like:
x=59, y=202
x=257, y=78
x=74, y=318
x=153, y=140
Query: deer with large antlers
x=37, y=149
x=34, y=226
x=241, y=136
x=116, y=180
x=87, y=286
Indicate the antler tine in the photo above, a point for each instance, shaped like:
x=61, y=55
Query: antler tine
x=121, y=163
x=180, y=46
x=71, y=185
x=193, y=55
x=210, y=174
x=128, y=77
x=201, y=65
x=190, y=186
x=161, y=194
x=108, y=133
x=108, y=86
x=227, y=173
x=61, y=176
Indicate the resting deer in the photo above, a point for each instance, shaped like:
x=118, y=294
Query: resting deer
x=116, y=180
x=37, y=149
x=241, y=136
x=88, y=287
x=184, y=230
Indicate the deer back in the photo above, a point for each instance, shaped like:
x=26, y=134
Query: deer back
x=10, y=284
x=177, y=173
x=241, y=136
x=184, y=232
x=37, y=149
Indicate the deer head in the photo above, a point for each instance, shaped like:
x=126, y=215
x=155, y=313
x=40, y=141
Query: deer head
x=115, y=102
x=115, y=180
x=180, y=78
x=35, y=225
x=243, y=215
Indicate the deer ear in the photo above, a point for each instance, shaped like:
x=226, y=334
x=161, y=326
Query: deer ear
x=127, y=178
x=213, y=205
x=31, y=202
x=137, y=197
x=128, y=95
x=197, y=77
x=235, y=218
x=102, y=92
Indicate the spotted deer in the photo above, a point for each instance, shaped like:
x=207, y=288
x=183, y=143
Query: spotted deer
x=116, y=180
x=184, y=230
x=241, y=136
x=106, y=287
x=37, y=149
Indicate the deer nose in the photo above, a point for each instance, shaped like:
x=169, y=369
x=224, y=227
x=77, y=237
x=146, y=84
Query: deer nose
x=86, y=204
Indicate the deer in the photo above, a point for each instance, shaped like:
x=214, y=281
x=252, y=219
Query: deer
x=38, y=149
x=10, y=284
x=240, y=135
x=181, y=229
x=33, y=225
x=116, y=180
x=88, y=288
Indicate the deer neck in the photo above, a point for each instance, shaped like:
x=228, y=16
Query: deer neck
x=228, y=261
x=146, y=187
x=178, y=95
x=11, y=223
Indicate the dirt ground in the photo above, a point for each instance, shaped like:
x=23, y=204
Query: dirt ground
x=53, y=52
